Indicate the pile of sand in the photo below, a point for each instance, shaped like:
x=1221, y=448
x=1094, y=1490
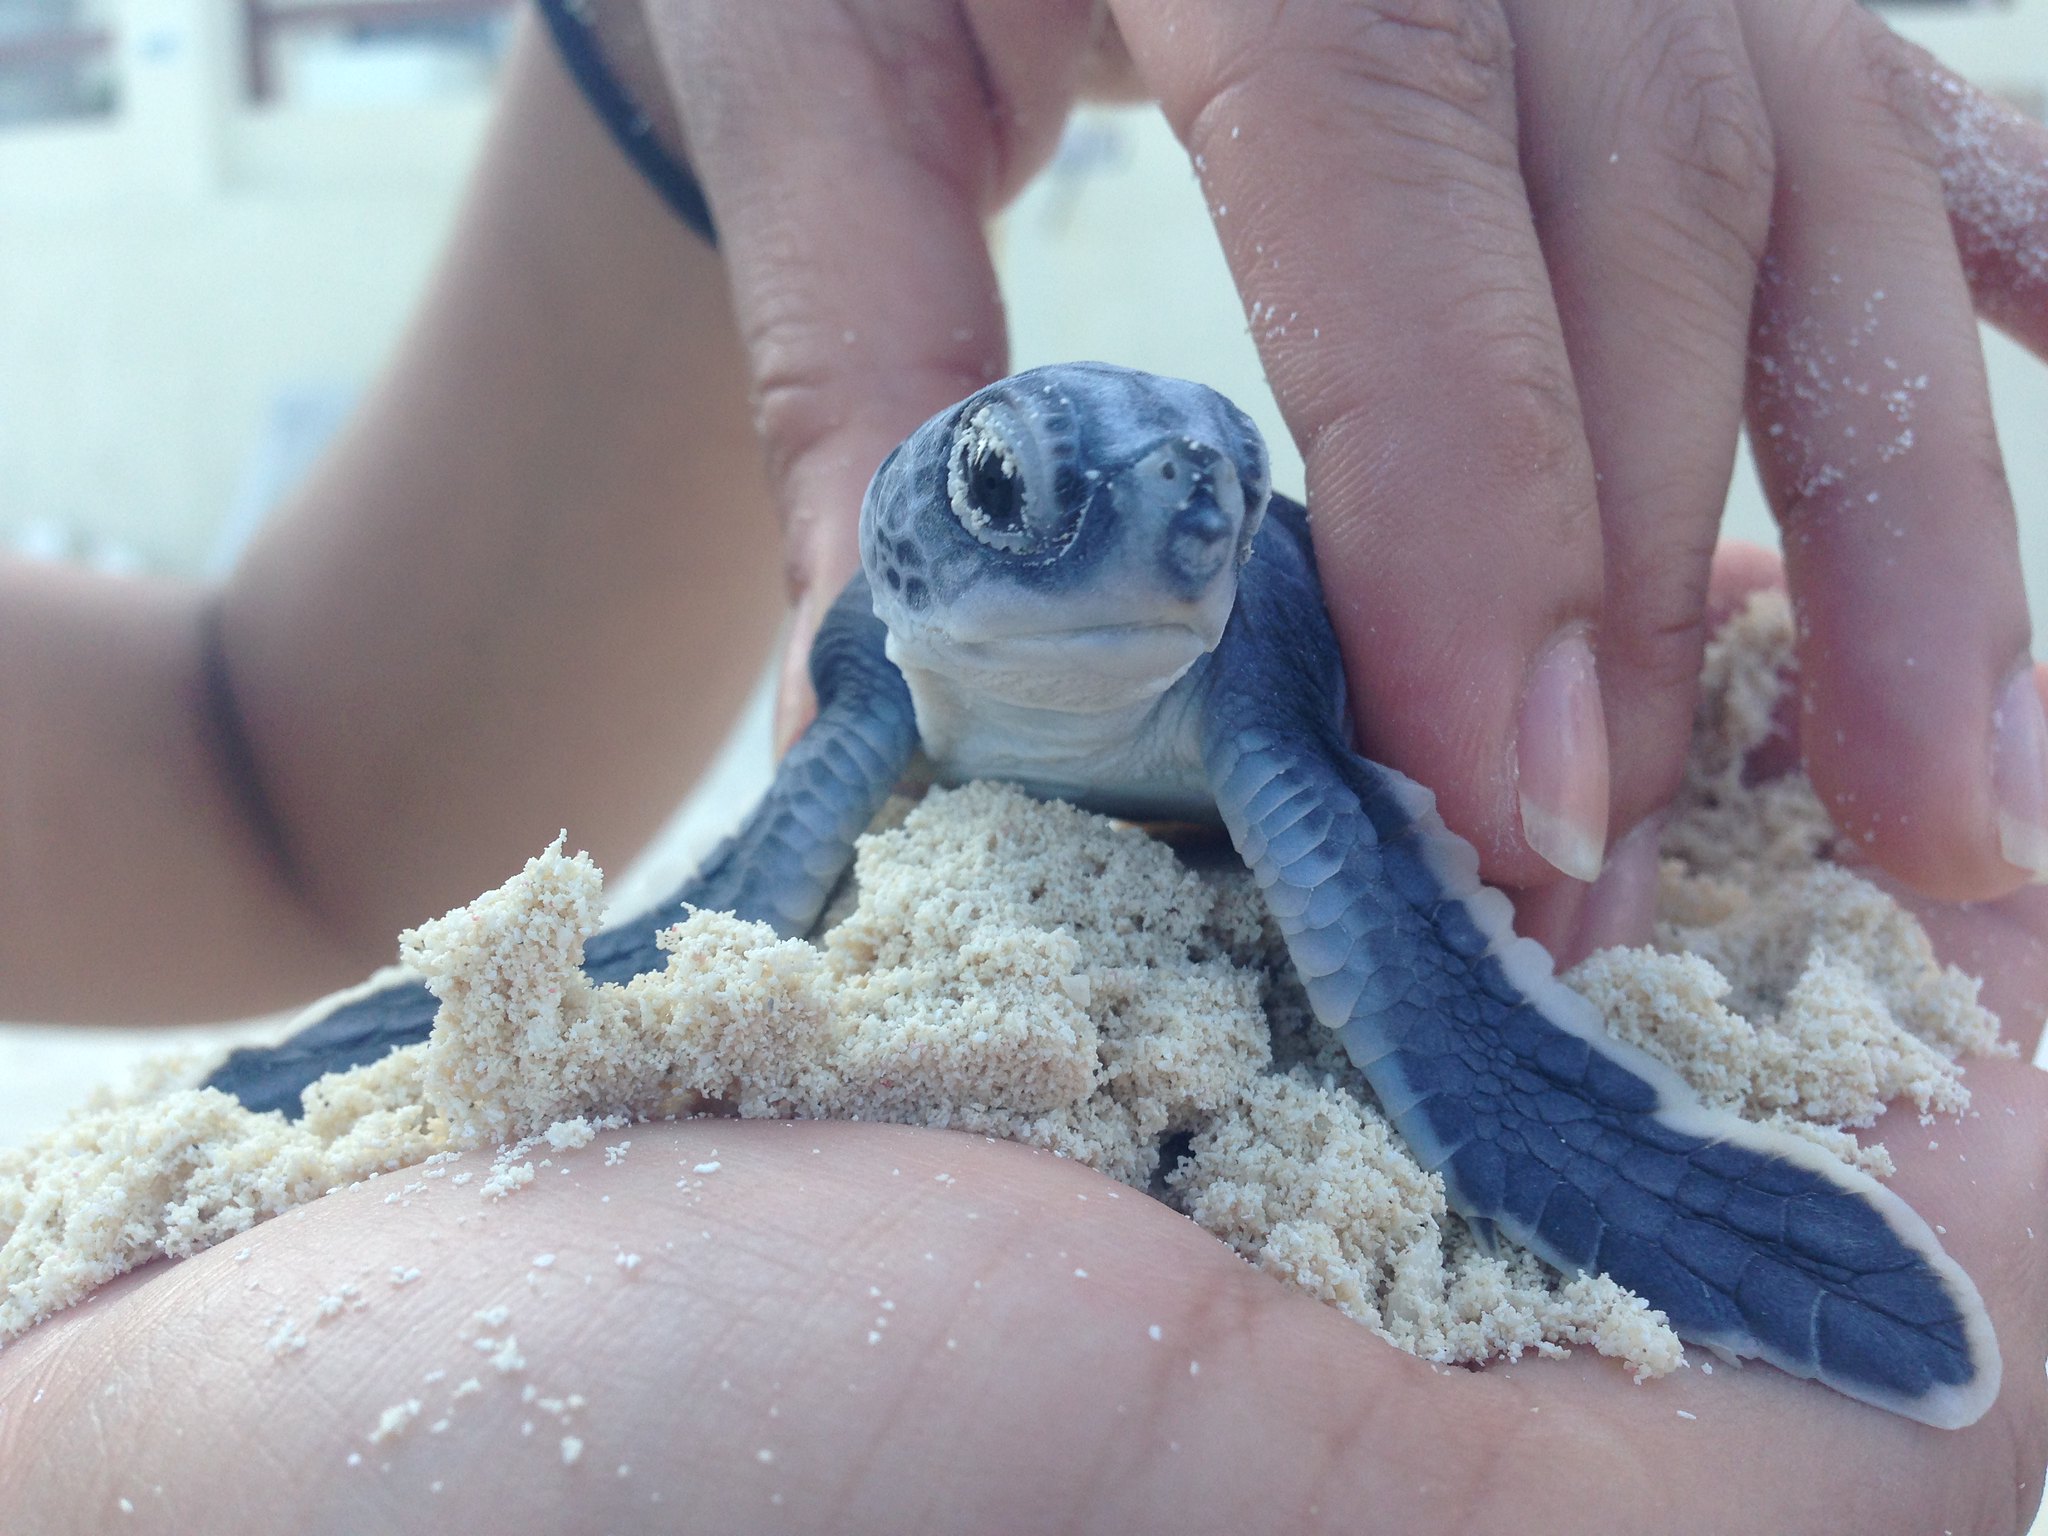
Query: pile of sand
x=1030, y=971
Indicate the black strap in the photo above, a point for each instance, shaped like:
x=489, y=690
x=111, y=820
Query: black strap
x=576, y=37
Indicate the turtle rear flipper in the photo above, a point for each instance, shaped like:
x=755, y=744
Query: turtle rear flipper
x=1501, y=1078
x=778, y=868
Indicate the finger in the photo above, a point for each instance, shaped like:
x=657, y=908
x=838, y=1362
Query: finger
x=1648, y=156
x=1109, y=75
x=1873, y=420
x=1739, y=572
x=1360, y=160
x=2004, y=941
x=850, y=160
x=1621, y=906
x=795, y=703
x=1993, y=162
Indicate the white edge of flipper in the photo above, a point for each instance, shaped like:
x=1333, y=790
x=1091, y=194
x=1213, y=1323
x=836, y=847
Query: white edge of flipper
x=1529, y=966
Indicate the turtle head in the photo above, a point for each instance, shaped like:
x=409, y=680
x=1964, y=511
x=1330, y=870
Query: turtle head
x=1069, y=537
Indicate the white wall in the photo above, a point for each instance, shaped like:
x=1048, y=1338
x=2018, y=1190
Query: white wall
x=171, y=274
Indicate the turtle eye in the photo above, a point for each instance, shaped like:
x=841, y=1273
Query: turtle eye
x=995, y=491
x=990, y=481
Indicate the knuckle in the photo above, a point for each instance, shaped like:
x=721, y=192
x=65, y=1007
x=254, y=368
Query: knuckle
x=824, y=414
x=1894, y=73
x=1659, y=638
x=1537, y=431
x=1877, y=80
x=1517, y=397
x=1397, y=63
x=802, y=572
x=1700, y=106
x=1108, y=72
x=1449, y=50
x=796, y=406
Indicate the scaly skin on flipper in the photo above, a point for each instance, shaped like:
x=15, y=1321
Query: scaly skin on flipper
x=1584, y=1150
x=781, y=865
x=346, y=1029
x=778, y=868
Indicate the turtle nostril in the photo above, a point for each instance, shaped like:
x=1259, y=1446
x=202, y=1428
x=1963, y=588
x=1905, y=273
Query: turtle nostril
x=1198, y=547
x=1204, y=523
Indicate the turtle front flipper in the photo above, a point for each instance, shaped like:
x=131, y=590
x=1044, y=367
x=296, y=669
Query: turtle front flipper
x=351, y=1028
x=778, y=868
x=1501, y=1078
x=781, y=866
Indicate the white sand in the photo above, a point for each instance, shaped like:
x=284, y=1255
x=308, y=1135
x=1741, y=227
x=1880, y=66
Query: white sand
x=1030, y=971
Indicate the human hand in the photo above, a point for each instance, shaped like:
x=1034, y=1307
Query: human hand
x=857, y=1327
x=1532, y=259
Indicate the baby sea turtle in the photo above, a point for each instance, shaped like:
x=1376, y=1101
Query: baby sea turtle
x=1076, y=580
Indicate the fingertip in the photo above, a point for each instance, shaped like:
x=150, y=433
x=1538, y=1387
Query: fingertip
x=1740, y=570
x=1572, y=920
x=1550, y=915
x=1945, y=792
x=1900, y=799
x=794, y=708
x=1621, y=906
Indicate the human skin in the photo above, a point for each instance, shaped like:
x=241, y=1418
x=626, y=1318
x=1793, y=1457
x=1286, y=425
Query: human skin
x=929, y=1331
x=1536, y=258
x=528, y=589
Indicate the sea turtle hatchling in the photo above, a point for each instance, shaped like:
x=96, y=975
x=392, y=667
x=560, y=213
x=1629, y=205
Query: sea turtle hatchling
x=1076, y=581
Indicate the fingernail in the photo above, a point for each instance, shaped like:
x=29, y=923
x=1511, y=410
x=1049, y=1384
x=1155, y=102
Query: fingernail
x=1561, y=759
x=2019, y=774
x=793, y=702
x=1621, y=908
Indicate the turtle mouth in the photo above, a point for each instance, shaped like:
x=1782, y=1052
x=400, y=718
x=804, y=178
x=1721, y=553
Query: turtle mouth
x=1115, y=633
x=1148, y=655
x=1083, y=668
x=1138, y=646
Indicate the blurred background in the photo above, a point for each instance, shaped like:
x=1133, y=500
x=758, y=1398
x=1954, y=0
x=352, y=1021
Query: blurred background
x=215, y=215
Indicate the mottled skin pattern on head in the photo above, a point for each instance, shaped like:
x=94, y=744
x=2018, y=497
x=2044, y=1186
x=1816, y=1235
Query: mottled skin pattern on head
x=1073, y=581
x=1055, y=563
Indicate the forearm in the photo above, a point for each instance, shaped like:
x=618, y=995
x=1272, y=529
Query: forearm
x=537, y=576
x=526, y=591
x=131, y=878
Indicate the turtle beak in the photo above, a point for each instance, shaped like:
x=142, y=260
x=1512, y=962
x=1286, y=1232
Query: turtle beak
x=1196, y=502
x=1200, y=541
